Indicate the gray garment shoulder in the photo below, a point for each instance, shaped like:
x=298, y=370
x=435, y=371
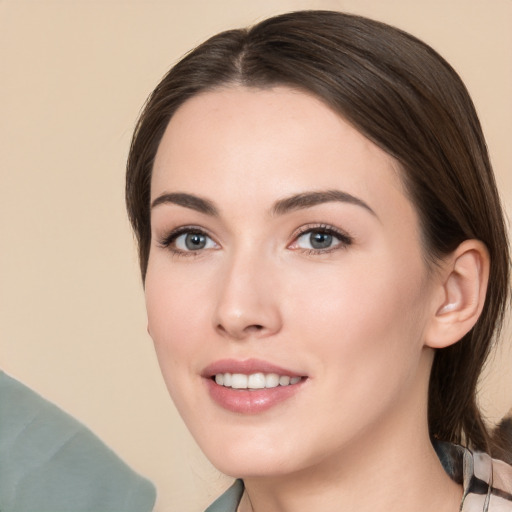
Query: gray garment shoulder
x=50, y=462
x=229, y=501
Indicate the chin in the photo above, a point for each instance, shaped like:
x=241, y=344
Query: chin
x=256, y=456
x=244, y=469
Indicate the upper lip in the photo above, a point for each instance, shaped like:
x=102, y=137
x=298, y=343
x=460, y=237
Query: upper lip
x=247, y=367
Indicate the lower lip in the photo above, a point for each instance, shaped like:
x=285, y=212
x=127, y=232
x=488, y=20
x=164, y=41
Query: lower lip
x=250, y=402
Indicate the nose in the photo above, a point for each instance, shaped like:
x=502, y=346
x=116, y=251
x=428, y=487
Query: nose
x=247, y=304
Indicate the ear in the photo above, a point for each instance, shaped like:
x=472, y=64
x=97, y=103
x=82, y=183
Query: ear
x=461, y=294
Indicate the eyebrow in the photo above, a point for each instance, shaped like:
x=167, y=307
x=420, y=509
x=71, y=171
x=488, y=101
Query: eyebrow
x=191, y=201
x=282, y=206
x=309, y=199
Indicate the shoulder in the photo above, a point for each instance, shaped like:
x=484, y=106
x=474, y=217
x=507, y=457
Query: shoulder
x=50, y=461
x=229, y=501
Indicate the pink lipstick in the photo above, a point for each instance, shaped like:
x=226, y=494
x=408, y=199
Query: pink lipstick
x=250, y=386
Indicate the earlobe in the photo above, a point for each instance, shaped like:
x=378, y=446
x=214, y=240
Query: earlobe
x=462, y=287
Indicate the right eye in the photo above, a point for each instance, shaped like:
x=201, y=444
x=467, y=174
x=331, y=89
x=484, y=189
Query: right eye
x=188, y=241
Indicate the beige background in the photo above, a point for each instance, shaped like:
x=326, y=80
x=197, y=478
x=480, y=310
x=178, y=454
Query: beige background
x=73, y=76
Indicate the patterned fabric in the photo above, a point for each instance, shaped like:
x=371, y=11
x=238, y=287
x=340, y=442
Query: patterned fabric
x=486, y=482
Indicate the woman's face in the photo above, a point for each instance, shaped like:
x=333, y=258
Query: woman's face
x=285, y=258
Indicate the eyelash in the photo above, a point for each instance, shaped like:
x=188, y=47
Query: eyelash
x=167, y=241
x=345, y=239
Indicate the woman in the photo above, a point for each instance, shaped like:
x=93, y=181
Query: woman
x=325, y=266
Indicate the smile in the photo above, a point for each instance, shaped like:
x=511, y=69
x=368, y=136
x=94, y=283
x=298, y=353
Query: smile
x=254, y=380
x=251, y=386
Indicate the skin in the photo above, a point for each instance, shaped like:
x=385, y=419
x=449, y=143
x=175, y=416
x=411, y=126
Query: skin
x=354, y=319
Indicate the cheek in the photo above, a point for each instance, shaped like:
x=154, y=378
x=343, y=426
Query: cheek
x=177, y=310
x=368, y=317
x=175, y=296
x=364, y=329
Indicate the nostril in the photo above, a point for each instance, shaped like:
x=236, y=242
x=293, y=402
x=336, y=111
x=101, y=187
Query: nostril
x=254, y=328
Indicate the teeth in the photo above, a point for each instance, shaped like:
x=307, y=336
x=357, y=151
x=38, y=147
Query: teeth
x=284, y=380
x=272, y=380
x=254, y=380
x=239, y=381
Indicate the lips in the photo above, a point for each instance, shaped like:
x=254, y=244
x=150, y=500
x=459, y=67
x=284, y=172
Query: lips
x=251, y=386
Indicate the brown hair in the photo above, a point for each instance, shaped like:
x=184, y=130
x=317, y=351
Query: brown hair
x=408, y=100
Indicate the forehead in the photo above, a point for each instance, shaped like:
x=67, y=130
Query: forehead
x=252, y=139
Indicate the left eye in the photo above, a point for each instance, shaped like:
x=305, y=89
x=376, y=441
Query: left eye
x=319, y=239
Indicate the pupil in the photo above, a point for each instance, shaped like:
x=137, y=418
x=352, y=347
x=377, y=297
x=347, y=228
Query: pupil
x=195, y=241
x=320, y=240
